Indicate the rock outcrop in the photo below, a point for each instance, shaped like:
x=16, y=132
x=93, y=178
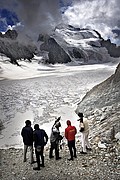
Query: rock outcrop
x=82, y=45
x=79, y=46
x=56, y=54
x=15, y=50
x=113, y=50
x=12, y=34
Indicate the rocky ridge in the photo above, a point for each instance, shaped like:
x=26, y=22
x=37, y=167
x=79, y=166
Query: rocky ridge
x=102, y=106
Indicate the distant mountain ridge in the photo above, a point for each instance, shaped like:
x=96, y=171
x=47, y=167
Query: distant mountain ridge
x=67, y=44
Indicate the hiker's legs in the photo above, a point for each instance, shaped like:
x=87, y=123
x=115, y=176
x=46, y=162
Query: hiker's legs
x=25, y=152
x=86, y=140
x=38, y=158
x=31, y=154
x=73, y=145
x=42, y=156
x=70, y=148
x=83, y=141
x=51, y=150
x=57, y=151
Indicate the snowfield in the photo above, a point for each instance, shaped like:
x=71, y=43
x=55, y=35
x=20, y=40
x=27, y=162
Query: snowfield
x=42, y=93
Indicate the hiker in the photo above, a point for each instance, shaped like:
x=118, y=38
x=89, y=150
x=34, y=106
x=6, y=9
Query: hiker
x=27, y=135
x=55, y=138
x=70, y=133
x=40, y=140
x=84, y=129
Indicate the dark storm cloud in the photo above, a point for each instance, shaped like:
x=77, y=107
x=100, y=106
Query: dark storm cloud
x=35, y=15
x=43, y=15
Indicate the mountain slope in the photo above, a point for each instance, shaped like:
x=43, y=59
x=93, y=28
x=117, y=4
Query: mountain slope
x=82, y=45
x=102, y=105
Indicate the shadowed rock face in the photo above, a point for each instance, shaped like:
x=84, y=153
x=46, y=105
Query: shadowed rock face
x=116, y=78
x=12, y=34
x=1, y=35
x=55, y=53
x=10, y=46
x=105, y=94
x=113, y=50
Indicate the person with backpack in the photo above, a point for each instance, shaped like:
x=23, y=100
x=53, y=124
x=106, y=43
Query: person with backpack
x=27, y=135
x=40, y=140
x=84, y=129
x=70, y=133
x=55, y=138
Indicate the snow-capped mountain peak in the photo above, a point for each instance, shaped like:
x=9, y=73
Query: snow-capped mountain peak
x=66, y=44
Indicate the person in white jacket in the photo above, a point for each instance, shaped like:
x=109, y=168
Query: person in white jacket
x=84, y=129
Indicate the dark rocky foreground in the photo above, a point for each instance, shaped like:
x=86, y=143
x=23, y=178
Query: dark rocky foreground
x=98, y=164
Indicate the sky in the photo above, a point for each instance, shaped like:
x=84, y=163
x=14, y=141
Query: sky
x=41, y=16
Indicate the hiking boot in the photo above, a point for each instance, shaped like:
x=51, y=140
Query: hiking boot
x=33, y=162
x=70, y=159
x=58, y=158
x=36, y=168
x=51, y=157
x=83, y=152
x=89, y=149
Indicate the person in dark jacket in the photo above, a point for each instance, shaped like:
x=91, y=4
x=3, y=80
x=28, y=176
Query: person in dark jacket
x=54, y=139
x=40, y=140
x=70, y=133
x=27, y=134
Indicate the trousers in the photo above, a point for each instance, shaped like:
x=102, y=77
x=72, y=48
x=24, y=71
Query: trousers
x=31, y=152
x=85, y=141
x=40, y=155
x=72, y=148
x=55, y=146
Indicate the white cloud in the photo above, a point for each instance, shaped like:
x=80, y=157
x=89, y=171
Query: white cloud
x=41, y=16
x=101, y=15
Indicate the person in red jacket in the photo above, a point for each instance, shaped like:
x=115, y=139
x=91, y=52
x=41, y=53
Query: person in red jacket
x=70, y=133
